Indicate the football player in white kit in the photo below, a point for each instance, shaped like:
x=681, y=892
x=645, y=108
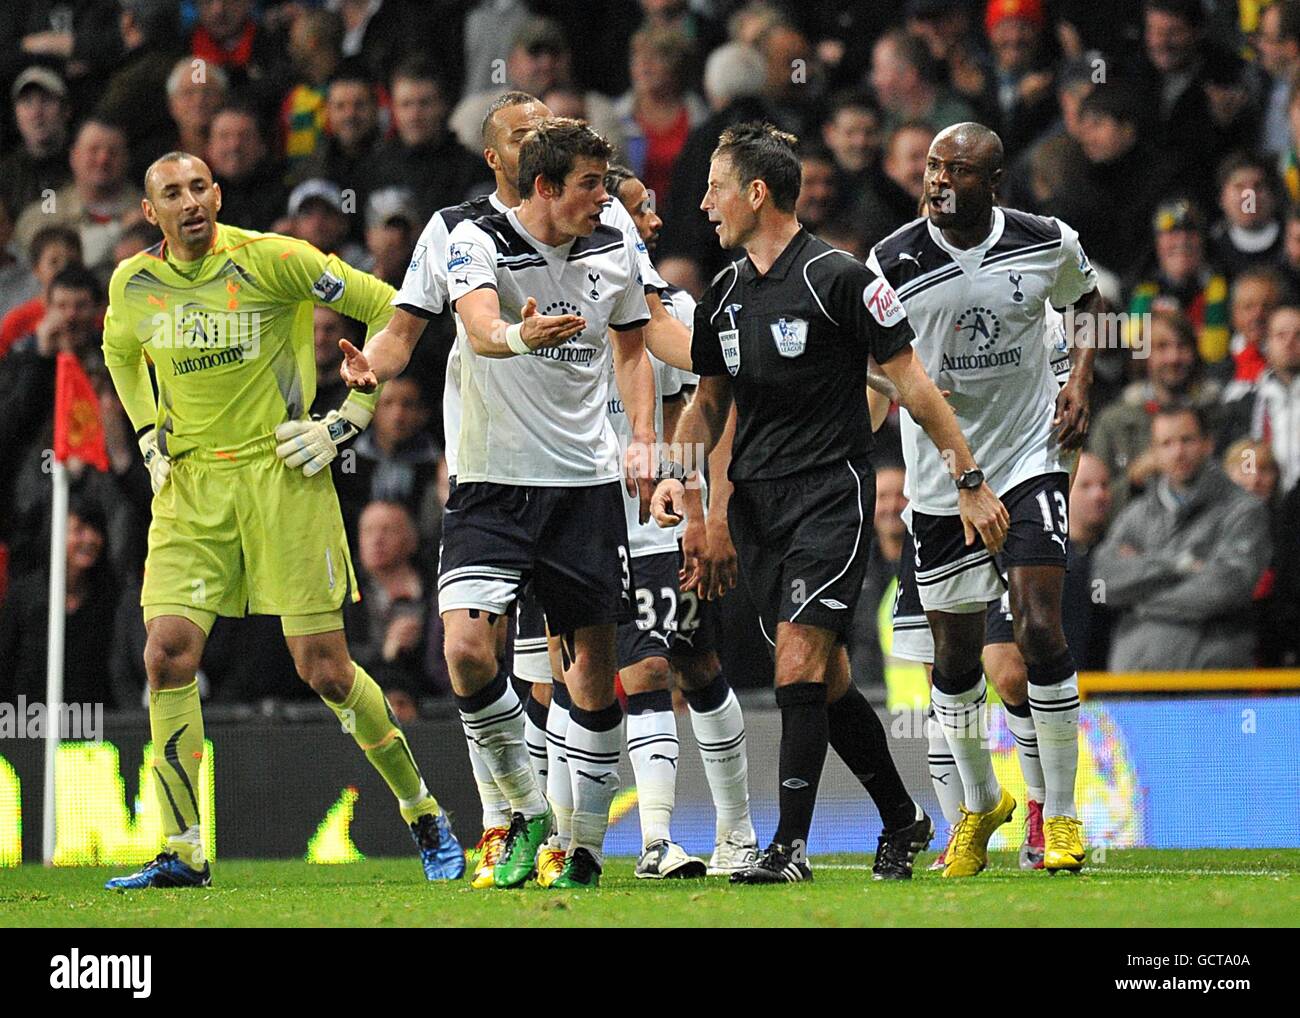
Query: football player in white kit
x=977, y=281
x=671, y=641
x=537, y=496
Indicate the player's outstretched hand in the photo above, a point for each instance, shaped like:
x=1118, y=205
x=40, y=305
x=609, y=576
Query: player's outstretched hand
x=355, y=369
x=1072, y=415
x=983, y=513
x=667, y=503
x=547, y=330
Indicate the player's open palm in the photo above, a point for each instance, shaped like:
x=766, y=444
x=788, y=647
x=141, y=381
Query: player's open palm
x=541, y=331
x=983, y=513
x=355, y=369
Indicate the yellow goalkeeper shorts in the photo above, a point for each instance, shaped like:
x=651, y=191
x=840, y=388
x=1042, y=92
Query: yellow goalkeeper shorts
x=238, y=532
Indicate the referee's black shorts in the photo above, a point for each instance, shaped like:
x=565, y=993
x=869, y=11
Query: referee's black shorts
x=803, y=543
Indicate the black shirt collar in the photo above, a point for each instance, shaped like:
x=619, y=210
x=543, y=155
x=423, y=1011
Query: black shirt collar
x=784, y=260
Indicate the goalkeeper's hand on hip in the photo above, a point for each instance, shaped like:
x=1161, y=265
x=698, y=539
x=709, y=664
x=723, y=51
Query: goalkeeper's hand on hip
x=313, y=444
x=155, y=461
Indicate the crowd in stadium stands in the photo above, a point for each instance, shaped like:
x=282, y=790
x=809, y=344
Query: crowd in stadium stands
x=1166, y=131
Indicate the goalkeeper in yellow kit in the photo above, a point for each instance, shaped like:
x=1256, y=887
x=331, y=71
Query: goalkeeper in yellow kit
x=245, y=518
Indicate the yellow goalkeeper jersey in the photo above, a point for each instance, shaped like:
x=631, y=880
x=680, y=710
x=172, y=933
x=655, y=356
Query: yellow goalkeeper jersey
x=229, y=335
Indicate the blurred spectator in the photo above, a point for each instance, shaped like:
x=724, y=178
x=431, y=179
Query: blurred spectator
x=1086, y=619
x=1020, y=87
x=328, y=327
x=53, y=248
x=79, y=34
x=1119, y=184
x=539, y=59
x=90, y=606
x=819, y=198
x=1268, y=410
x=485, y=26
x=866, y=657
x=1184, y=282
x=895, y=192
x=793, y=81
x=1249, y=232
x=1256, y=293
x=229, y=37
x=389, y=642
x=1250, y=465
x=852, y=132
x=17, y=282
x=1198, y=90
x=318, y=215
x=252, y=195
x=315, y=50
x=392, y=225
x=1121, y=434
x=193, y=97
x=70, y=324
x=98, y=203
x=1288, y=262
x=139, y=236
x=949, y=33
x=1278, y=43
x=424, y=156
x=657, y=114
x=1074, y=82
x=152, y=43
x=1180, y=564
x=39, y=163
x=351, y=136
x=734, y=76
x=1282, y=623
x=397, y=461
x=905, y=78
x=381, y=33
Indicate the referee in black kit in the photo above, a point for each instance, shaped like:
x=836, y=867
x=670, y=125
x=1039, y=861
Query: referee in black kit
x=789, y=332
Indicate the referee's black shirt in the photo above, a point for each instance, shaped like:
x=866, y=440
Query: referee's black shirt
x=795, y=341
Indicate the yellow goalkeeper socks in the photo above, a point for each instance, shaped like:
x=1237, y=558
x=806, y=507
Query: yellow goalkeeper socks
x=176, y=724
x=366, y=715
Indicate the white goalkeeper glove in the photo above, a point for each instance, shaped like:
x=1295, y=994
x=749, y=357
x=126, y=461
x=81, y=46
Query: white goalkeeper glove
x=313, y=444
x=158, y=465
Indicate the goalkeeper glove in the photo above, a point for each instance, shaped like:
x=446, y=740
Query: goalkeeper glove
x=313, y=444
x=158, y=465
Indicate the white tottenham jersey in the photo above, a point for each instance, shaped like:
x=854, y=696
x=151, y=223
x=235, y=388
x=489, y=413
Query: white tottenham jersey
x=424, y=294
x=980, y=318
x=652, y=539
x=424, y=289
x=539, y=419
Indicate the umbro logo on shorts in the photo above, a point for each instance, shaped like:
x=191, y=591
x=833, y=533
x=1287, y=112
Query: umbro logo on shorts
x=832, y=604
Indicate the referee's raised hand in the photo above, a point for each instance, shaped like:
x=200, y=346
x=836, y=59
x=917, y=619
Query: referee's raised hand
x=983, y=513
x=547, y=330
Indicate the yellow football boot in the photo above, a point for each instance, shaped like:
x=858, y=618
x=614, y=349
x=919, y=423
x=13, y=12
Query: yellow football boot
x=550, y=864
x=968, y=851
x=1064, y=842
x=488, y=854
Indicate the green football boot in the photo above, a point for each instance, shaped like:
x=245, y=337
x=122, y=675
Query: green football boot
x=580, y=872
x=519, y=857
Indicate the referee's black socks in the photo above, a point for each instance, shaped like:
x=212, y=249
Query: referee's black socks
x=857, y=735
x=804, y=733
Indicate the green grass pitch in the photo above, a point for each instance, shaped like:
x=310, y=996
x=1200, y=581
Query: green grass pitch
x=1220, y=888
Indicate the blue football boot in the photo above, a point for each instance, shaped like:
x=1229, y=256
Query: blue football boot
x=440, y=852
x=166, y=870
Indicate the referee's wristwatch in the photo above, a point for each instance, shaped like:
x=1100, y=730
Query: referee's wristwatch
x=970, y=480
